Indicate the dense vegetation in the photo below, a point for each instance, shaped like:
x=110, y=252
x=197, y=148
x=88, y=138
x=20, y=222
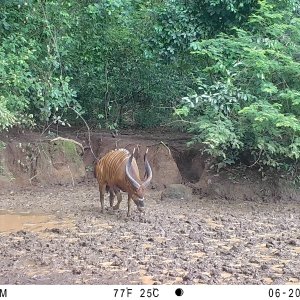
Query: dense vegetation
x=226, y=70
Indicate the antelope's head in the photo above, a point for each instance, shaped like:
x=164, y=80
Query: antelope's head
x=139, y=189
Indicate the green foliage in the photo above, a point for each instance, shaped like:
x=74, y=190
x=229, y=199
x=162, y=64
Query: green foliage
x=125, y=63
x=6, y=117
x=117, y=63
x=276, y=134
x=33, y=85
x=178, y=23
x=218, y=133
x=251, y=79
x=220, y=15
x=175, y=28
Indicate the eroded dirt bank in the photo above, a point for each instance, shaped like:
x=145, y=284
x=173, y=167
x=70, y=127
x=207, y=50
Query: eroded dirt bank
x=58, y=235
x=234, y=229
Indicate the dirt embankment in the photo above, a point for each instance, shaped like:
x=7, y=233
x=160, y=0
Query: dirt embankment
x=28, y=159
x=217, y=228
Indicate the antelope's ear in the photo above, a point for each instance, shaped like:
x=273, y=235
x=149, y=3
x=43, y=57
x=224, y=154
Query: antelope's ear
x=136, y=151
x=148, y=171
x=131, y=157
x=145, y=156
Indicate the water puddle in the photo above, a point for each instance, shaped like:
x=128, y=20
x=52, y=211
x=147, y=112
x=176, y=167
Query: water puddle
x=294, y=280
x=13, y=222
x=147, y=246
x=296, y=249
x=226, y=275
x=213, y=224
x=198, y=254
x=267, y=280
x=145, y=279
x=179, y=217
x=277, y=269
x=195, y=256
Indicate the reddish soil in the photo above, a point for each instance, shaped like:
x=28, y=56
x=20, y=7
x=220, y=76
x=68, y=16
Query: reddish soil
x=233, y=230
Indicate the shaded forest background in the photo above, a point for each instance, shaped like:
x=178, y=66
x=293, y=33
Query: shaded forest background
x=227, y=71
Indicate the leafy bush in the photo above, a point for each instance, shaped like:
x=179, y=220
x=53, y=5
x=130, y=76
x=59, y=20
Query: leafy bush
x=33, y=86
x=248, y=91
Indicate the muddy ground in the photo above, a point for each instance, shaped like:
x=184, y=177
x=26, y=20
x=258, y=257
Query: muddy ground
x=234, y=229
x=57, y=235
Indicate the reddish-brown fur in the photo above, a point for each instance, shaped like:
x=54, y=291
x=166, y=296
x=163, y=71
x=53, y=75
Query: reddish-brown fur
x=111, y=174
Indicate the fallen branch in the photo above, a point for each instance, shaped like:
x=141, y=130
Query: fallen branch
x=161, y=142
x=30, y=179
x=259, y=155
x=117, y=143
x=88, y=128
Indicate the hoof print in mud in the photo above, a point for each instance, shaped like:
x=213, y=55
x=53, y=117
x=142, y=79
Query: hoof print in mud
x=54, y=230
x=76, y=272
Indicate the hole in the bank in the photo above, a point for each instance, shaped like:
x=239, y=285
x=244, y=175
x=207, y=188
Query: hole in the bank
x=191, y=164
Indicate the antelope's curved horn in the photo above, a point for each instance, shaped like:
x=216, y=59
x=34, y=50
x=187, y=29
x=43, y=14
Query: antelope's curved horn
x=129, y=173
x=148, y=170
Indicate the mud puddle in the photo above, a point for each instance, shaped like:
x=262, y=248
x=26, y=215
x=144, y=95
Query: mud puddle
x=200, y=241
x=11, y=221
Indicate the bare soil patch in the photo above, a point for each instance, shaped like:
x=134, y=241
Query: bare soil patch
x=234, y=229
x=66, y=240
